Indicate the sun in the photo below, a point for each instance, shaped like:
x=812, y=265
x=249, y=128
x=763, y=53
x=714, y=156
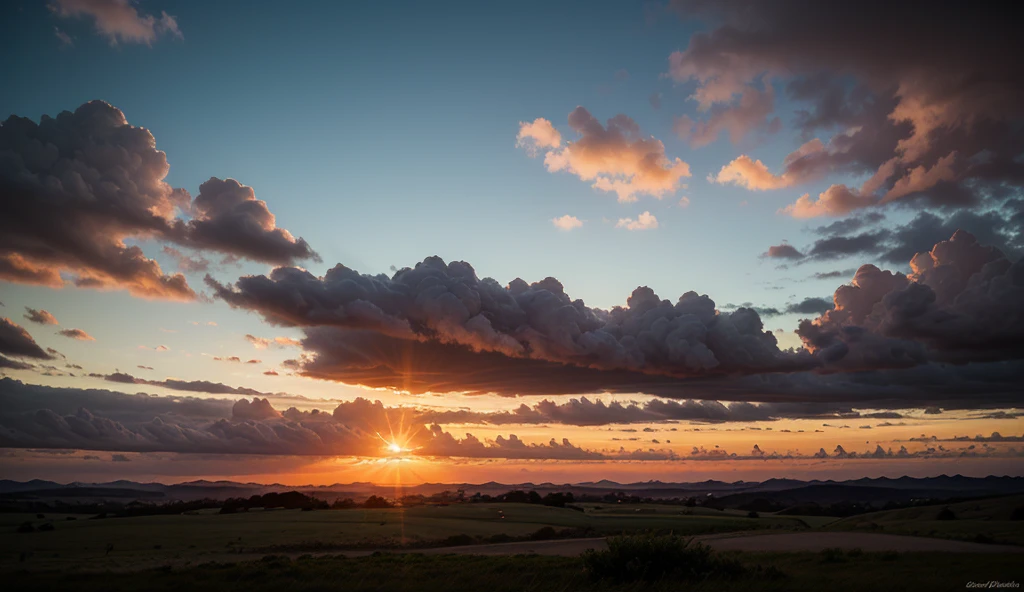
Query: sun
x=394, y=448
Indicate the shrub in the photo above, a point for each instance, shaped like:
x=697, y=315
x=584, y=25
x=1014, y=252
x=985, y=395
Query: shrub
x=946, y=514
x=375, y=502
x=46, y=527
x=25, y=527
x=1018, y=513
x=753, y=514
x=833, y=555
x=544, y=534
x=649, y=558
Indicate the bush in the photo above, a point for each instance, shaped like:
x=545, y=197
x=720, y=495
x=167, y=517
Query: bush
x=753, y=514
x=374, y=502
x=650, y=558
x=946, y=514
x=544, y=534
x=25, y=527
x=46, y=527
x=1018, y=513
x=833, y=555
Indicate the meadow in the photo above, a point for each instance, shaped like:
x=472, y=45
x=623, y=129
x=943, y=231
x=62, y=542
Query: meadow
x=997, y=520
x=120, y=543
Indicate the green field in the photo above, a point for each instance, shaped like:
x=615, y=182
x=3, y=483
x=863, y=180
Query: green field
x=531, y=573
x=204, y=536
x=983, y=521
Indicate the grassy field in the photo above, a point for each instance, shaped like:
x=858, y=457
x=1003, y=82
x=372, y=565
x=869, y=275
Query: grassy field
x=853, y=572
x=155, y=540
x=983, y=521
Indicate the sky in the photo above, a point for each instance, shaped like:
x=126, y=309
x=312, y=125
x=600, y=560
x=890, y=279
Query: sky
x=465, y=242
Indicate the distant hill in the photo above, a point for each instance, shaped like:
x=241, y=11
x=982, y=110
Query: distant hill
x=876, y=491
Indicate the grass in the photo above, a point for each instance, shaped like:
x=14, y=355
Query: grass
x=986, y=521
x=154, y=540
x=760, y=572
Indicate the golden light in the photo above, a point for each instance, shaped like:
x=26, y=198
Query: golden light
x=394, y=448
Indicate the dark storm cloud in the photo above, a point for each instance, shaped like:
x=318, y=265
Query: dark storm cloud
x=437, y=328
x=963, y=302
x=445, y=305
x=74, y=187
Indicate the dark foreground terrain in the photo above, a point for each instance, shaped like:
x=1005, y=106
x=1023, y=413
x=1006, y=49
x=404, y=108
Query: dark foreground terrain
x=830, y=569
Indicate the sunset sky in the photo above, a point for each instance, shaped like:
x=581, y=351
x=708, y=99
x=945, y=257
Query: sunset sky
x=410, y=242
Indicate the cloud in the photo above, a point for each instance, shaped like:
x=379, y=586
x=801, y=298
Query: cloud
x=754, y=175
x=78, y=334
x=566, y=222
x=961, y=303
x=188, y=263
x=196, y=386
x=616, y=158
x=64, y=38
x=118, y=20
x=738, y=120
x=645, y=221
x=783, y=251
x=537, y=135
x=16, y=341
x=355, y=324
x=906, y=108
x=228, y=218
x=234, y=359
x=78, y=185
x=40, y=317
x=810, y=305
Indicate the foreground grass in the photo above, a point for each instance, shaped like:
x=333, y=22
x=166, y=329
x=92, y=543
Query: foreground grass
x=849, y=571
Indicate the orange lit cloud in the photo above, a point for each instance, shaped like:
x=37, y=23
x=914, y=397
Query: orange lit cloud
x=616, y=158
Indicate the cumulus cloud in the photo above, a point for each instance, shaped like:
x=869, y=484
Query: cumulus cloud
x=228, y=218
x=354, y=323
x=616, y=158
x=645, y=221
x=40, y=317
x=78, y=334
x=961, y=303
x=567, y=222
x=118, y=20
x=74, y=187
